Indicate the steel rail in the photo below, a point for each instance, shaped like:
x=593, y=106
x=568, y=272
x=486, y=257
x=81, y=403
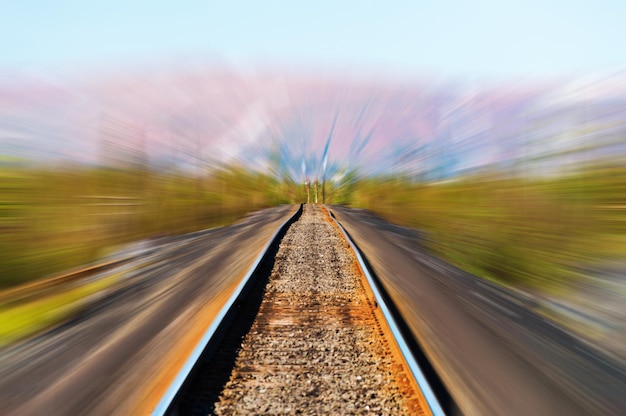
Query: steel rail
x=170, y=394
x=417, y=373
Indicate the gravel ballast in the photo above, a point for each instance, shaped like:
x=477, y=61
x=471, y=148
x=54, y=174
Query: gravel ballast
x=315, y=346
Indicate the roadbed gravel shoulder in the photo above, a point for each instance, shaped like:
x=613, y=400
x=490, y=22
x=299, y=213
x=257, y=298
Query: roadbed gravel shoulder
x=317, y=345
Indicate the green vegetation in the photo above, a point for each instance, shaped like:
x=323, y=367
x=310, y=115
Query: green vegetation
x=56, y=219
x=545, y=233
x=537, y=233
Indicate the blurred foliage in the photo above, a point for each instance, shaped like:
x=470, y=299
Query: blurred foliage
x=545, y=233
x=55, y=219
x=542, y=233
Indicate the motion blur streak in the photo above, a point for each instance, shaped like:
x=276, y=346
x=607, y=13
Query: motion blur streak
x=523, y=184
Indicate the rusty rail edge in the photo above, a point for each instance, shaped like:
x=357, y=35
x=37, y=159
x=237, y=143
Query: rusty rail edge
x=36, y=286
x=54, y=280
x=427, y=391
x=171, y=392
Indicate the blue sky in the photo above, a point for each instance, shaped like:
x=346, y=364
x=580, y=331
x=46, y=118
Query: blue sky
x=499, y=38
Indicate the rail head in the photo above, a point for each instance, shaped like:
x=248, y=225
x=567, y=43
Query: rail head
x=420, y=378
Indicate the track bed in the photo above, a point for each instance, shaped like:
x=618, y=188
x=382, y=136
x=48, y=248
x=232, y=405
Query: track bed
x=308, y=339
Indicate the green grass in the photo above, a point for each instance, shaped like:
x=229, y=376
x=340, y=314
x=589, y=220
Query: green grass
x=22, y=319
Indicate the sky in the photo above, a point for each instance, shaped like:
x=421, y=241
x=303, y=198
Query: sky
x=488, y=38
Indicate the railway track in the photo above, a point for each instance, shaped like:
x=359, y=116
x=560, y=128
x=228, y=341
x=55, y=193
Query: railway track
x=307, y=333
